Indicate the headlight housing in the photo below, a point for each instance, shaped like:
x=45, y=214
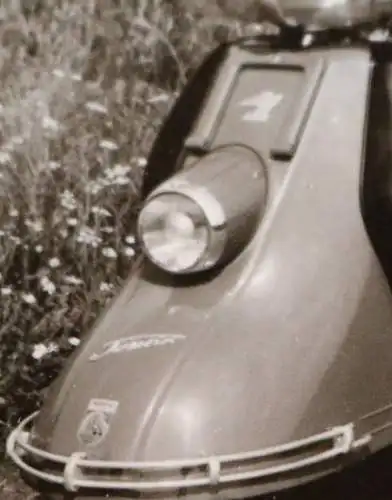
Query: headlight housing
x=201, y=216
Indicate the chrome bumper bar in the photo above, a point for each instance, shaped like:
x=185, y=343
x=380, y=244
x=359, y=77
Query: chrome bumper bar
x=77, y=471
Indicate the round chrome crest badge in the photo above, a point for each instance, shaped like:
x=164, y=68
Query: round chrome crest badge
x=96, y=421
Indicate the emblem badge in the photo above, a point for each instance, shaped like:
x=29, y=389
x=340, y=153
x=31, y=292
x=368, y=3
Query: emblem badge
x=262, y=105
x=96, y=421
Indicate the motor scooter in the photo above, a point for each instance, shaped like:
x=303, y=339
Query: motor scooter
x=251, y=349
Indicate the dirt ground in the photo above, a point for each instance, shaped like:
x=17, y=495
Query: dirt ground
x=12, y=487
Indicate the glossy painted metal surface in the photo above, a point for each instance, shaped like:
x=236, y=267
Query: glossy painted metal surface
x=289, y=340
x=325, y=13
x=333, y=12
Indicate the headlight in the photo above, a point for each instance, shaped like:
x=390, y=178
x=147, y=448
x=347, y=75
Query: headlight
x=187, y=224
x=175, y=232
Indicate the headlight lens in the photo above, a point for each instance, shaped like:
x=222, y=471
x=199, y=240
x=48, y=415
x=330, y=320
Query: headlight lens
x=174, y=232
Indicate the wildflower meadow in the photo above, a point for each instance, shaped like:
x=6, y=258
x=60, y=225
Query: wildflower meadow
x=85, y=85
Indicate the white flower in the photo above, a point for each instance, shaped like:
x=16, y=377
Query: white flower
x=131, y=239
x=15, y=239
x=36, y=226
x=118, y=171
x=141, y=162
x=117, y=175
x=72, y=280
x=47, y=285
x=109, y=145
x=379, y=35
x=159, y=98
x=6, y=291
x=89, y=237
x=105, y=287
x=59, y=73
x=94, y=187
x=71, y=221
x=54, y=165
x=4, y=157
x=29, y=298
x=107, y=229
x=109, y=252
x=50, y=123
x=63, y=233
x=39, y=351
x=53, y=347
x=96, y=107
x=14, y=141
x=39, y=248
x=121, y=181
x=74, y=341
x=58, y=217
x=54, y=262
x=17, y=140
x=67, y=200
x=100, y=211
x=129, y=252
x=13, y=212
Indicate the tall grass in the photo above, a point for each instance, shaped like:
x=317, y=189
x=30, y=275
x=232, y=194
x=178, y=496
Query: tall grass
x=84, y=88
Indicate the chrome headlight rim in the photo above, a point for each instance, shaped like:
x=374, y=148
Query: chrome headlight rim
x=215, y=224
